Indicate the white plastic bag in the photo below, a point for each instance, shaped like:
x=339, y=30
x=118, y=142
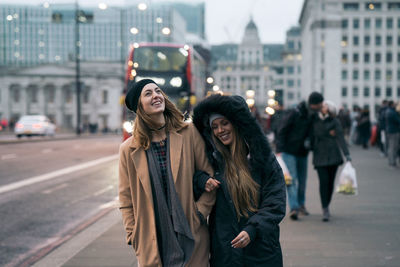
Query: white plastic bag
x=347, y=183
x=285, y=170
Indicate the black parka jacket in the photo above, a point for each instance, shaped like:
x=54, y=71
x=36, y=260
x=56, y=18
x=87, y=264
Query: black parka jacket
x=262, y=226
x=328, y=149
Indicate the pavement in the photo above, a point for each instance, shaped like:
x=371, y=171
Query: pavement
x=363, y=230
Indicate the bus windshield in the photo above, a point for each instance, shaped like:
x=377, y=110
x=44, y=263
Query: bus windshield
x=160, y=58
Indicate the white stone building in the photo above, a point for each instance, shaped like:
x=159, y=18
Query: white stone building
x=350, y=51
x=51, y=90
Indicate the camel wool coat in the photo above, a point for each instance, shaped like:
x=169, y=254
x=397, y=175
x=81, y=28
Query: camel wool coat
x=187, y=154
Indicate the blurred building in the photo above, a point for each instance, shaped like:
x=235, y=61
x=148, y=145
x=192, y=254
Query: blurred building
x=46, y=34
x=50, y=90
x=350, y=51
x=252, y=65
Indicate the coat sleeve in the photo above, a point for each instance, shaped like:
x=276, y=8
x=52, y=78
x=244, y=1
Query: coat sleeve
x=340, y=138
x=207, y=200
x=125, y=198
x=272, y=206
x=283, y=130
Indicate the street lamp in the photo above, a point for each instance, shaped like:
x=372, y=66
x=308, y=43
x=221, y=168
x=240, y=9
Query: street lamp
x=166, y=31
x=210, y=80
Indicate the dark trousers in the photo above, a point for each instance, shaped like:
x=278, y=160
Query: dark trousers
x=326, y=175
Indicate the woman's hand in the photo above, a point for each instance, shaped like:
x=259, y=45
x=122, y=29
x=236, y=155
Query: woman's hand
x=241, y=241
x=212, y=184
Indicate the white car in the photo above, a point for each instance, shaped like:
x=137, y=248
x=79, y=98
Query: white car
x=34, y=125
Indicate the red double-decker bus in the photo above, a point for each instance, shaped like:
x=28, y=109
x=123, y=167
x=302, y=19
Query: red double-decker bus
x=178, y=69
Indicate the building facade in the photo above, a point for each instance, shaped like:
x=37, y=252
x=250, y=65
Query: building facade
x=252, y=65
x=50, y=90
x=34, y=35
x=350, y=51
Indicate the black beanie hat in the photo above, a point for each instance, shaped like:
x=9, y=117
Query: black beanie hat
x=315, y=98
x=132, y=97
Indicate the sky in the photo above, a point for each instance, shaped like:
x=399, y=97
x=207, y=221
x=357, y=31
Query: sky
x=227, y=19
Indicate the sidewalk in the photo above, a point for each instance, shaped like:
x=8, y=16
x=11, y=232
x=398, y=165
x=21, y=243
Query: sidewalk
x=363, y=231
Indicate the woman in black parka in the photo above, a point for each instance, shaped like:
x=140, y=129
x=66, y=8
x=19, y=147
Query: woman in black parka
x=251, y=193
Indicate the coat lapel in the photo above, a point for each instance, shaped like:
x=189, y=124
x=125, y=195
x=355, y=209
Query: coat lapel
x=142, y=170
x=175, y=151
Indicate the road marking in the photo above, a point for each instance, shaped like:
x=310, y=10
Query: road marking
x=8, y=156
x=95, y=194
x=47, y=150
x=58, y=187
x=52, y=175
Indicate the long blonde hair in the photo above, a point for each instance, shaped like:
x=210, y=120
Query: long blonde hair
x=144, y=123
x=243, y=189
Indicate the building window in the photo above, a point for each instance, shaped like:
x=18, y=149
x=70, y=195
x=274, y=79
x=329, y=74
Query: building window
x=344, y=23
x=398, y=23
x=290, y=95
x=355, y=91
x=366, y=57
x=398, y=75
x=367, y=23
x=290, y=83
x=355, y=58
x=366, y=75
x=388, y=91
x=344, y=58
x=356, y=23
x=377, y=75
x=398, y=91
x=378, y=40
x=344, y=75
x=389, y=23
x=344, y=91
x=367, y=40
x=372, y=6
x=33, y=92
x=105, y=97
x=15, y=92
x=350, y=6
x=290, y=70
x=366, y=91
x=377, y=57
x=67, y=94
x=389, y=75
x=389, y=57
x=378, y=23
x=377, y=91
x=343, y=43
x=389, y=40
x=355, y=40
x=49, y=91
x=394, y=6
x=355, y=75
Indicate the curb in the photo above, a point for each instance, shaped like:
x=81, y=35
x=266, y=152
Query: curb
x=40, y=254
x=5, y=142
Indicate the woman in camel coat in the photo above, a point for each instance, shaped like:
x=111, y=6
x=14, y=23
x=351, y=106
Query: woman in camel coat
x=144, y=189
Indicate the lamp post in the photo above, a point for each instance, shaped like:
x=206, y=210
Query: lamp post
x=77, y=70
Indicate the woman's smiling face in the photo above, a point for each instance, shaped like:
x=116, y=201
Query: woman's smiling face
x=152, y=100
x=223, y=129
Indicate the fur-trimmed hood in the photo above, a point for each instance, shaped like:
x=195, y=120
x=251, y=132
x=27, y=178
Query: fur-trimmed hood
x=235, y=109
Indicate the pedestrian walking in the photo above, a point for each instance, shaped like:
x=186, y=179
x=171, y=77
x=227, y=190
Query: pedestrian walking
x=251, y=200
x=328, y=145
x=364, y=128
x=164, y=224
x=354, y=135
x=345, y=121
x=293, y=144
x=393, y=133
x=382, y=128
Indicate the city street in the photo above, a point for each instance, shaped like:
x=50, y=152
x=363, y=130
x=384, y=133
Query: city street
x=363, y=230
x=48, y=189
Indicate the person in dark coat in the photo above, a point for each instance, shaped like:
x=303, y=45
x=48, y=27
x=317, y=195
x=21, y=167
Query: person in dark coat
x=392, y=119
x=293, y=143
x=328, y=144
x=251, y=198
x=364, y=128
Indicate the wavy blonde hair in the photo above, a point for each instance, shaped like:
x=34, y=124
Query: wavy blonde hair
x=144, y=124
x=243, y=189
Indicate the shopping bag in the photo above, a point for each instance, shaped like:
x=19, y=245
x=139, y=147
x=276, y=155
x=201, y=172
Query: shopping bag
x=347, y=183
x=285, y=170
